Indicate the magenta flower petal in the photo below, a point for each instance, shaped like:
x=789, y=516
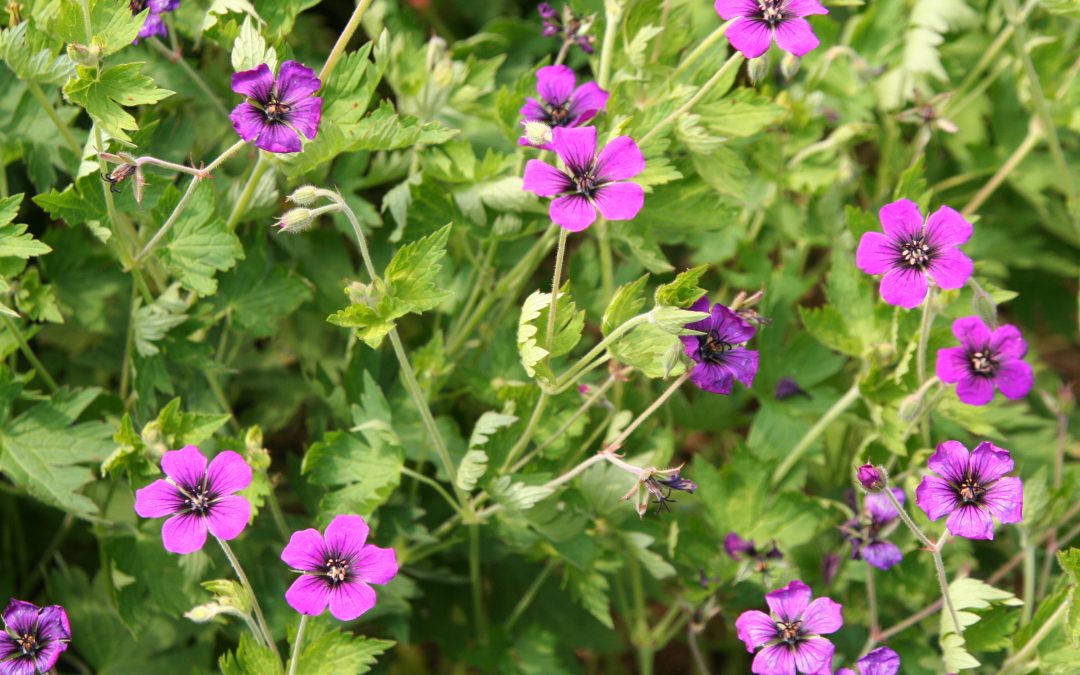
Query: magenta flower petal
x=304, y=550
x=806, y=7
x=229, y=472
x=556, y=84
x=1006, y=500
x=306, y=116
x=904, y=288
x=533, y=110
x=881, y=661
x=901, y=219
x=308, y=595
x=576, y=147
x=44, y=629
x=951, y=269
x=972, y=331
x=719, y=359
x=247, y=120
x=814, y=655
x=229, y=517
x=278, y=138
x=947, y=227
x=880, y=508
x=789, y=602
x=158, y=499
x=730, y=9
x=796, y=37
x=776, y=659
x=185, y=466
x=986, y=359
x=951, y=365
x=750, y=37
x=377, y=565
x=936, y=497
x=346, y=534
x=1015, y=379
x=970, y=521
x=587, y=102
x=881, y=554
x=875, y=254
x=277, y=111
x=822, y=616
x=184, y=533
x=572, y=212
x=975, y=390
x=755, y=628
x=990, y=462
x=619, y=160
x=950, y=460
x=296, y=82
x=619, y=201
x=545, y=180
x=256, y=83
x=1007, y=342
x=349, y=601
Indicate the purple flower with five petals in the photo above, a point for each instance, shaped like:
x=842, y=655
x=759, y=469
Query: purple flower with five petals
x=560, y=104
x=277, y=112
x=719, y=354
x=590, y=181
x=970, y=488
x=33, y=638
x=198, y=497
x=791, y=636
x=759, y=22
x=910, y=252
x=153, y=24
x=337, y=569
x=881, y=661
x=867, y=534
x=985, y=359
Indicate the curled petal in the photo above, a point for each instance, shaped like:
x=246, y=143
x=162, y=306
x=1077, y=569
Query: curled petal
x=789, y=602
x=228, y=473
x=795, y=36
x=950, y=460
x=228, y=517
x=184, y=533
x=308, y=595
x=749, y=36
x=572, y=212
x=904, y=287
x=350, y=600
x=619, y=201
x=970, y=521
x=304, y=550
x=755, y=628
x=936, y=497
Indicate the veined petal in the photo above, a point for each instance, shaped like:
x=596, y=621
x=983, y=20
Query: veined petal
x=305, y=116
x=534, y=111
x=989, y=462
x=774, y=660
x=228, y=517
x=160, y=498
x=730, y=326
x=712, y=378
x=822, y=616
x=575, y=146
x=184, y=533
x=304, y=550
x=814, y=655
x=1014, y=379
x=901, y=219
x=975, y=390
x=53, y=623
x=276, y=137
x=1005, y=499
x=587, y=101
x=228, y=473
x=904, y=287
x=742, y=364
x=296, y=81
x=619, y=201
x=805, y=7
x=755, y=628
x=186, y=466
x=970, y=521
x=952, y=364
x=545, y=180
x=351, y=599
x=256, y=83
x=950, y=461
x=1006, y=341
x=730, y=9
x=795, y=36
x=749, y=36
x=346, y=535
x=21, y=616
x=619, y=160
x=951, y=269
x=946, y=227
x=881, y=661
x=376, y=565
x=936, y=497
x=880, y=507
x=972, y=332
x=555, y=84
x=248, y=121
x=875, y=254
x=789, y=602
x=882, y=554
x=308, y=595
x=572, y=212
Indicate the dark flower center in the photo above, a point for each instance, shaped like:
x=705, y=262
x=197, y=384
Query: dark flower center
x=713, y=347
x=586, y=183
x=276, y=110
x=558, y=115
x=28, y=643
x=336, y=569
x=916, y=252
x=137, y=6
x=772, y=12
x=789, y=632
x=971, y=492
x=198, y=499
x=983, y=362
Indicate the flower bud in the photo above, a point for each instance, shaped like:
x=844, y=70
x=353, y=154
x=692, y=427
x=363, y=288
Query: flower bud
x=296, y=220
x=304, y=195
x=84, y=55
x=758, y=68
x=871, y=478
x=789, y=66
x=537, y=133
x=546, y=11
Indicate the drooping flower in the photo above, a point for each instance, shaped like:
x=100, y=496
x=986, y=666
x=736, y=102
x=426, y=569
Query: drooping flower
x=759, y=22
x=738, y=548
x=791, y=636
x=560, y=104
x=970, y=488
x=153, y=25
x=910, y=253
x=661, y=483
x=337, y=569
x=984, y=360
x=881, y=661
x=867, y=533
x=871, y=478
x=198, y=497
x=33, y=638
x=590, y=181
x=277, y=112
x=719, y=354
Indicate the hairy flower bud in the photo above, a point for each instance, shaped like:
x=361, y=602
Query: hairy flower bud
x=789, y=66
x=758, y=68
x=304, y=195
x=537, y=133
x=296, y=220
x=871, y=478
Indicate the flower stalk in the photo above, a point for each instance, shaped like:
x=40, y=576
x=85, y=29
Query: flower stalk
x=297, y=644
x=28, y=352
x=259, y=617
x=838, y=408
x=734, y=61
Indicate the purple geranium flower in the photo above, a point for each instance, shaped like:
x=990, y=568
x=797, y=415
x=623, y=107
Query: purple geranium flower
x=153, y=25
x=590, y=181
x=872, y=479
x=792, y=634
x=881, y=661
x=277, y=112
x=337, y=569
x=719, y=355
x=969, y=488
x=758, y=22
x=867, y=534
x=985, y=359
x=911, y=252
x=33, y=638
x=560, y=104
x=198, y=497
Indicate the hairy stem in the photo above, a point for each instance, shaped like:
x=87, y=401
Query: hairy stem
x=479, y=614
x=1014, y=160
x=24, y=347
x=1016, y=661
x=343, y=40
x=734, y=62
x=612, y=18
x=582, y=409
x=526, y=435
x=259, y=617
x=241, y=205
x=653, y=407
x=607, y=260
x=700, y=50
x=529, y=595
x=46, y=105
x=556, y=281
x=297, y=644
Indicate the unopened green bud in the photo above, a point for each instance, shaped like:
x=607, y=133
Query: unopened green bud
x=296, y=220
x=84, y=55
x=304, y=195
x=789, y=66
x=758, y=68
x=672, y=319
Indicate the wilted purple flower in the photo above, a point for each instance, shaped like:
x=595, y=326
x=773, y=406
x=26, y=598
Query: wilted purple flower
x=970, y=488
x=738, y=548
x=867, y=534
x=153, y=25
x=985, y=359
x=787, y=387
x=590, y=181
x=881, y=661
x=560, y=104
x=277, y=111
x=792, y=634
x=33, y=638
x=660, y=484
x=910, y=252
x=871, y=478
x=719, y=354
x=758, y=22
x=337, y=569
x=198, y=497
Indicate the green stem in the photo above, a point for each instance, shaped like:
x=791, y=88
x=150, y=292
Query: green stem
x=612, y=17
x=174, y=57
x=734, y=61
x=530, y=595
x=653, y=407
x=1029, y=577
x=582, y=409
x=924, y=334
x=278, y=516
x=129, y=344
x=571, y=375
x=1022, y=151
x=24, y=347
x=434, y=485
x=607, y=264
x=47, y=106
x=527, y=434
x=556, y=281
x=248, y=192
x=700, y=50
x=297, y=643
x=819, y=427
x=259, y=617
x=1015, y=661
x=480, y=616
x=343, y=40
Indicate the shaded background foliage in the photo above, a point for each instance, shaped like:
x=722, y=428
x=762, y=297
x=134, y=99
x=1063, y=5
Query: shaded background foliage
x=769, y=185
